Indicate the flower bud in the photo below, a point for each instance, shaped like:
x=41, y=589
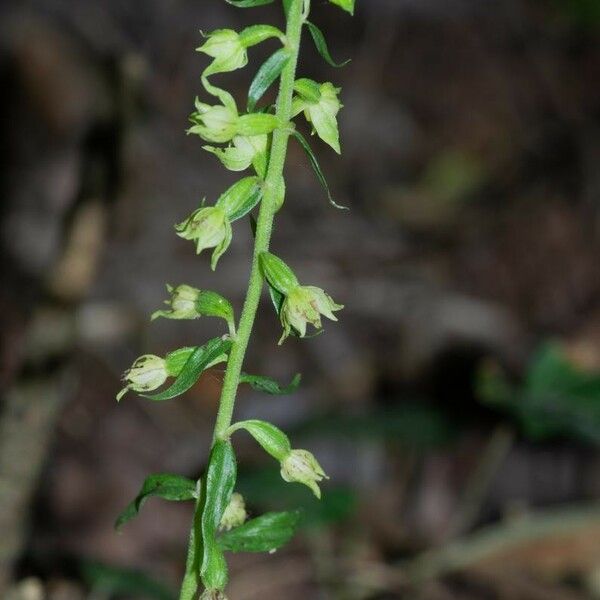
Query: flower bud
x=216, y=124
x=182, y=303
x=235, y=514
x=277, y=273
x=209, y=227
x=227, y=49
x=303, y=305
x=257, y=124
x=147, y=373
x=256, y=34
x=302, y=467
x=240, y=198
x=243, y=152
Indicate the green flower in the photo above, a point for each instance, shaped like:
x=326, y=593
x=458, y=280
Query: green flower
x=227, y=49
x=243, y=152
x=209, y=227
x=235, y=514
x=217, y=124
x=147, y=373
x=182, y=304
x=303, y=305
x=302, y=467
x=321, y=105
x=222, y=122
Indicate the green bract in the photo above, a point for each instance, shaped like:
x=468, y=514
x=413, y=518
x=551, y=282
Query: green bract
x=347, y=5
x=258, y=140
x=277, y=273
x=240, y=198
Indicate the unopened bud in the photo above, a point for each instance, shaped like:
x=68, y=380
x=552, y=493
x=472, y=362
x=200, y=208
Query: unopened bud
x=147, y=373
x=235, y=514
x=302, y=467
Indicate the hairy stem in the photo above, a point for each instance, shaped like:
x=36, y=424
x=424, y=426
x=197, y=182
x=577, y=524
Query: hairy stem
x=264, y=223
x=295, y=20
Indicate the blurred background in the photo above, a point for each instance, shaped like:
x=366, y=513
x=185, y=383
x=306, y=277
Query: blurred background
x=456, y=406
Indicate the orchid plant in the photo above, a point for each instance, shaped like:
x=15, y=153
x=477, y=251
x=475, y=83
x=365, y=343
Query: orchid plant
x=256, y=139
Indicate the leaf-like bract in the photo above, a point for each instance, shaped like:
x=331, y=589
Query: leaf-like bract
x=199, y=360
x=217, y=489
x=162, y=485
x=263, y=534
x=248, y=3
x=270, y=386
x=321, y=45
x=266, y=75
x=316, y=168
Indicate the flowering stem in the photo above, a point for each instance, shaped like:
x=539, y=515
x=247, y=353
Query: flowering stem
x=264, y=223
x=295, y=20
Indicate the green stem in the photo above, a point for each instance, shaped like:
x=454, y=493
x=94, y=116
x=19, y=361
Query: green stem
x=264, y=224
x=296, y=17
